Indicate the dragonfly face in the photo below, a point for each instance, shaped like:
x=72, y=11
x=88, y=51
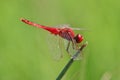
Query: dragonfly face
x=78, y=38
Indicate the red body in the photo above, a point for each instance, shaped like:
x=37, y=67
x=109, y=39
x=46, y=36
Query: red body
x=64, y=32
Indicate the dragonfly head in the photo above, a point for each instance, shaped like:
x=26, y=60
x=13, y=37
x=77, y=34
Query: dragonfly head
x=78, y=38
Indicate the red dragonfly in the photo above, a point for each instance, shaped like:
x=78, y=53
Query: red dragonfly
x=64, y=32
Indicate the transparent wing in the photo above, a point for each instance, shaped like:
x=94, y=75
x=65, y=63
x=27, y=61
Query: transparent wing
x=78, y=29
x=68, y=26
x=63, y=25
x=56, y=46
x=61, y=46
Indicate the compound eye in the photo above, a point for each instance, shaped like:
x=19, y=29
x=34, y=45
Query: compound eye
x=78, y=38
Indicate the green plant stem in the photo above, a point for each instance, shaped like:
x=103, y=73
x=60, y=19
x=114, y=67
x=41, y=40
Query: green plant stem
x=62, y=73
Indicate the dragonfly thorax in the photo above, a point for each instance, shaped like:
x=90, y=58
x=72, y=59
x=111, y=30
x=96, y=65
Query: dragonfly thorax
x=78, y=38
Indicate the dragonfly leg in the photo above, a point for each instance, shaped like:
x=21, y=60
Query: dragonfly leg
x=79, y=51
x=72, y=40
x=74, y=44
x=67, y=49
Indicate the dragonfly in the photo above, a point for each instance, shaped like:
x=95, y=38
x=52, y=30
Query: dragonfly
x=64, y=32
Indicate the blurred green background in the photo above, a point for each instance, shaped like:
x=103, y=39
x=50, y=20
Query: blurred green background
x=24, y=53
